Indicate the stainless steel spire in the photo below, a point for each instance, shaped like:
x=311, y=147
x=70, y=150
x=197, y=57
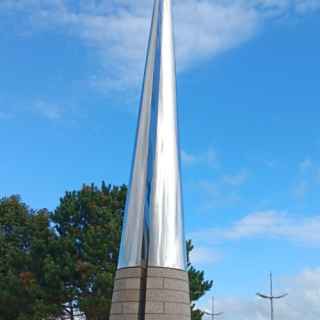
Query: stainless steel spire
x=152, y=261
x=153, y=231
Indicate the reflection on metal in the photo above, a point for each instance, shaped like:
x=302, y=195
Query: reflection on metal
x=271, y=297
x=153, y=231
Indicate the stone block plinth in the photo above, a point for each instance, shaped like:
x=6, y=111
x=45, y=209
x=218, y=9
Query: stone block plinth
x=167, y=294
x=151, y=294
x=128, y=294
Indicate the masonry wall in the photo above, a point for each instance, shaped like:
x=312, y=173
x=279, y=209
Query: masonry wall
x=152, y=294
x=128, y=294
x=167, y=294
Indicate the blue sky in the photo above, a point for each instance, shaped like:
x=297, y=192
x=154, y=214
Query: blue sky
x=249, y=102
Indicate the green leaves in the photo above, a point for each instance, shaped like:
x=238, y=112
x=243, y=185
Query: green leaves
x=198, y=285
x=25, y=241
x=53, y=264
x=88, y=224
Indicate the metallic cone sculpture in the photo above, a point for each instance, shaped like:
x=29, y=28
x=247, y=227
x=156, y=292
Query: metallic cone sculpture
x=151, y=281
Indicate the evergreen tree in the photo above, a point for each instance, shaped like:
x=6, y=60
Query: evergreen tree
x=53, y=265
x=26, y=290
x=88, y=224
x=198, y=285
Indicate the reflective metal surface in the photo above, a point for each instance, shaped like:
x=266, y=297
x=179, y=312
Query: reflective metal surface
x=153, y=231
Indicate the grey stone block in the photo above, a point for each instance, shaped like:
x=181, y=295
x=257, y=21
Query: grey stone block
x=135, y=272
x=167, y=296
x=125, y=317
x=165, y=317
x=177, y=308
x=116, y=308
x=155, y=283
x=130, y=307
x=154, y=307
x=126, y=296
x=128, y=283
x=167, y=273
x=173, y=284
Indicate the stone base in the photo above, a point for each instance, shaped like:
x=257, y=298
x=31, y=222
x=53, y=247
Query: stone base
x=152, y=294
x=167, y=295
x=128, y=294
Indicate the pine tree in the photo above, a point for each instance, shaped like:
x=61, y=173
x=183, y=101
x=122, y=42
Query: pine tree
x=56, y=264
x=26, y=290
x=198, y=285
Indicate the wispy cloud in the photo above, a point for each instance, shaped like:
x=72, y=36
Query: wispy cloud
x=204, y=256
x=305, y=165
x=301, y=303
x=224, y=190
x=307, y=178
x=117, y=30
x=306, y=6
x=237, y=179
x=218, y=194
x=300, y=189
x=267, y=224
x=188, y=158
x=209, y=158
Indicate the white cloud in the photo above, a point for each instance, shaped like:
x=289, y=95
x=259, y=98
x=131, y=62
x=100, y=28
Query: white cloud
x=254, y=224
x=237, y=179
x=209, y=158
x=224, y=190
x=204, y=256
x=301, y=303
x=307, y=180
x=267, y=224
x=121, y=37
x=218, y=194
x=202, y=30
x=188, y=158
x=118, y=30
x=306, y=6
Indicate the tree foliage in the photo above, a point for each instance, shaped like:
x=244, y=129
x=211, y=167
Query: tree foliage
x=198, y=285
x=26, y=291
x=88, y=224
x=54, y=264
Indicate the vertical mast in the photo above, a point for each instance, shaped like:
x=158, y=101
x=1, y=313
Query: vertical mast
x=271, y=295
x=213, y=308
